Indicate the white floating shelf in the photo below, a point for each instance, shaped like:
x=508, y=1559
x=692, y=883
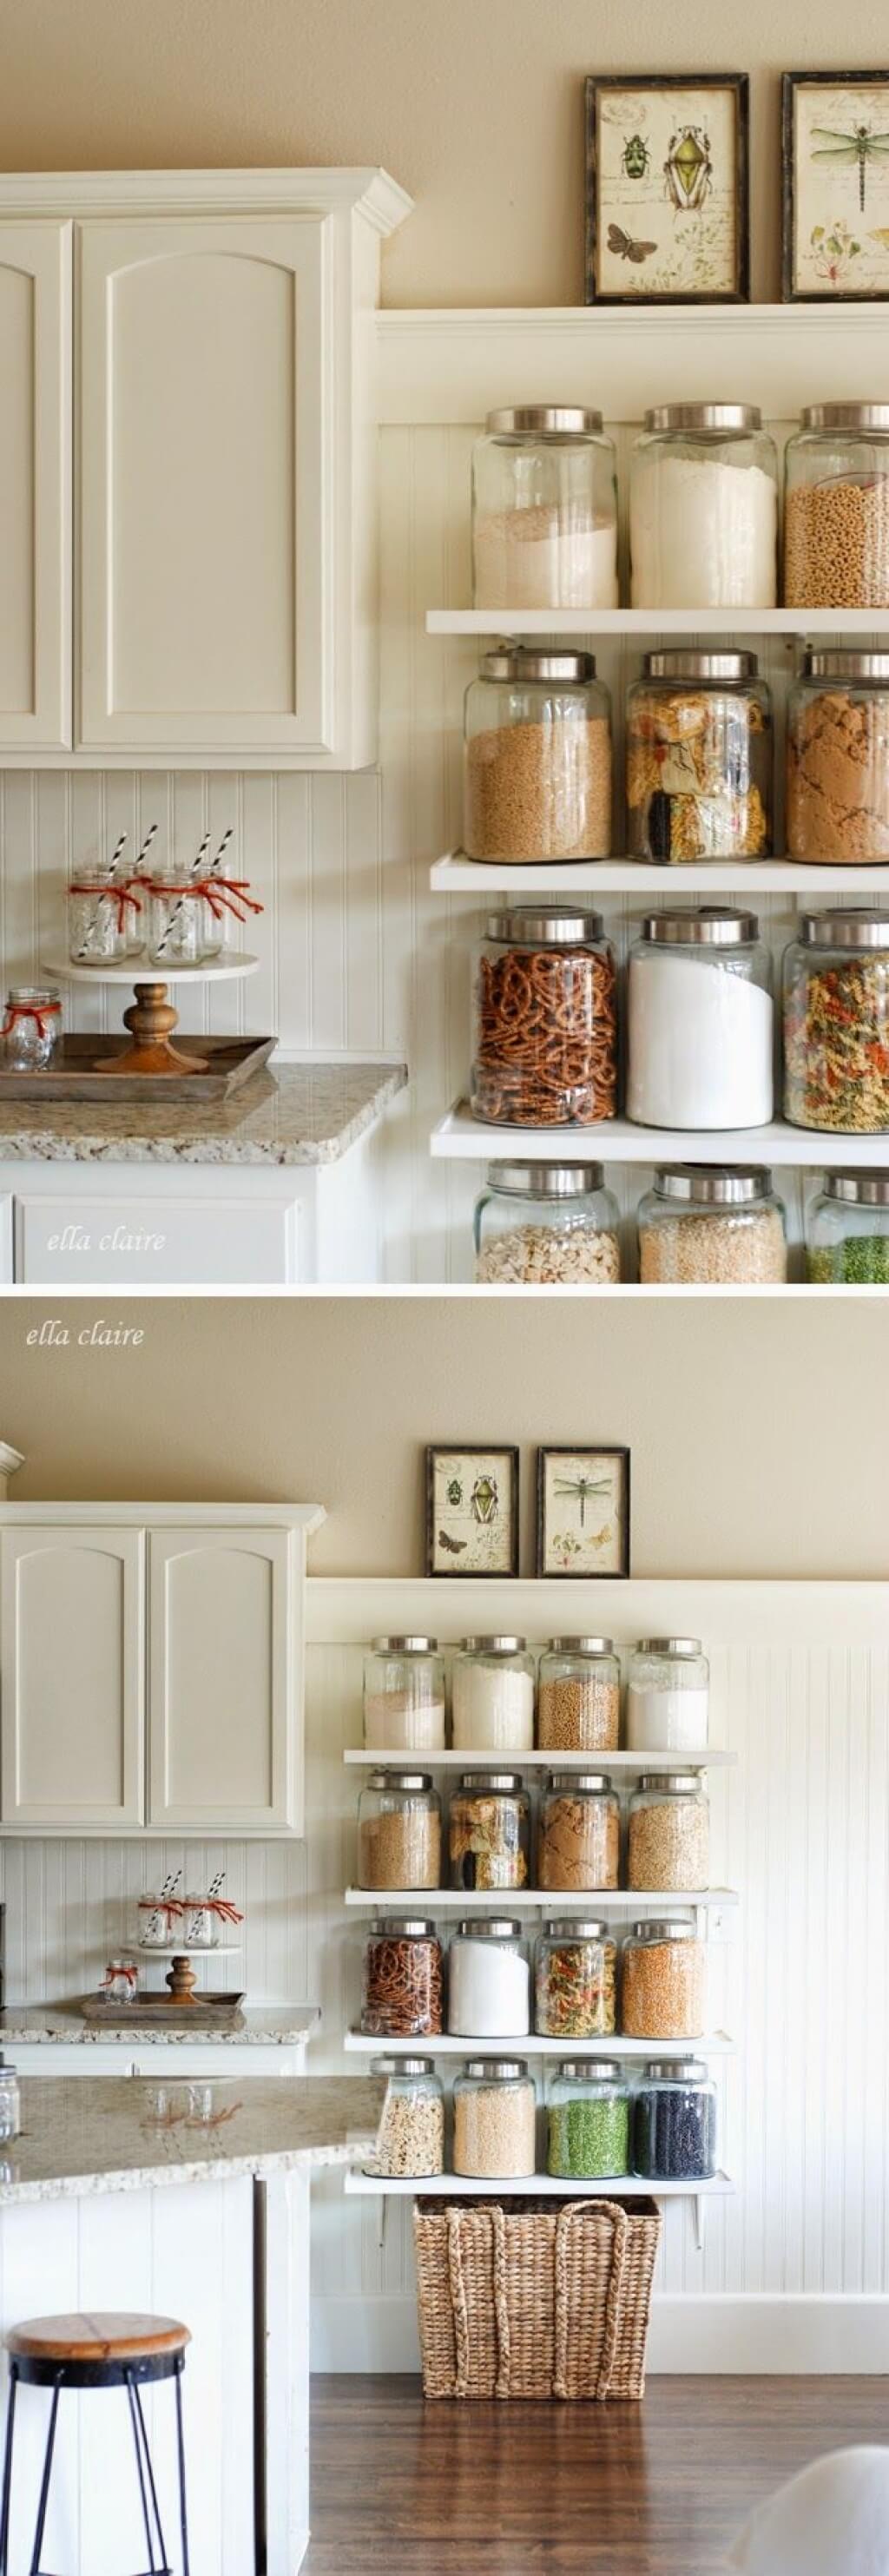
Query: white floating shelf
x=362, y=2186
x=537, y=1900
x=690, y=623
x=456, y=874
x=461, y=1138
x=356, y=2044
x=537, y=1761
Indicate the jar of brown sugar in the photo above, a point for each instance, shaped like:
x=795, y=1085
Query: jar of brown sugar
x=399, y=1831
x=537, y=750
x=838, y=759
x=544, y=1020
x=663, y=1981
x=836, y=507
x=578, y=1698
x=578, y=1840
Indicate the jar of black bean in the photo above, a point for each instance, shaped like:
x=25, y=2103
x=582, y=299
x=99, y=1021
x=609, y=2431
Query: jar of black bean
x=674, y=2122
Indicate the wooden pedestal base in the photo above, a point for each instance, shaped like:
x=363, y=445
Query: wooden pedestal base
x=182, y=1980
x=152, y=1019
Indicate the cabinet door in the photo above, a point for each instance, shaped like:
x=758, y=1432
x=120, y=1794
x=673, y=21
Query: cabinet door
x=204, y=487
x=219, y=1242
x=72, y=1663
x=224, y=1681
x=35, y=486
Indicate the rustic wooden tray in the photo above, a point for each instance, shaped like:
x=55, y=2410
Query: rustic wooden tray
x=232, y=1061
x=206, y=2011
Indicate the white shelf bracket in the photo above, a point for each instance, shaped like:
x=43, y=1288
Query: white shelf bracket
x=700, y=2221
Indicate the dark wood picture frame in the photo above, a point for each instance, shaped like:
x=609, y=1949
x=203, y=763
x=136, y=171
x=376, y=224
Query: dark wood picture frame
x=583, y=1449
x=472, y=1449
x=739, y=83
x=790, y=83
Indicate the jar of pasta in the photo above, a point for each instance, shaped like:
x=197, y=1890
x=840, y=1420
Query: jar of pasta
x=847, y=1231
x=578, y=1838
x=836, y=507
x=712, y=1225
x=837, y=799
x=402, y=1980
x=664, y=1966
x=489, y=1831
x=668, y=1841
x=836, y=1022
x=404, y=1696
x=704, y=508
x=537, y=758
x=544, y=1020
x=699, y=758
x=492, y=1694
x=546, y=1225
x=575, y=1978
x=544, y=510
x=578, y=1698
x=399, y=1831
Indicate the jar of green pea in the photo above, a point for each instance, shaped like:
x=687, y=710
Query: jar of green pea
x=847, y=1231
x=589, y=2121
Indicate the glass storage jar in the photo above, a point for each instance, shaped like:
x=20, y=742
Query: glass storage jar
x=674, y=2122
x=404, y=1696
x=662, y=1983
x=494, y=2120
x=847, y=1231
x=401, y=1994
x=704, y=508
x=713, y=1226
x=575, y=1980
x=578, y=1696
x=700, y=1027
x=544, y=1020
x=837, y=759
x=544, y=510
x=489, y=1831
x=399, y=1831
x=699, y=758
x=537, y=757
x=836, y=1022
x=410, y=2137
x=201, y=1928
x=489, y=1981
x=668, y=1696
x=492, y=1695
x=578, y=1835
x=175, y=920
x=102, y=909
x=32, y=1028
x=588, y=2127
x=836, y=507
x=546, y=1225
x=668, y=1844
x=159, y=1920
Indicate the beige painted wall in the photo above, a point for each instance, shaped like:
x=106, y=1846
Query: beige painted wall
x=759, y=1429
x=475, y=105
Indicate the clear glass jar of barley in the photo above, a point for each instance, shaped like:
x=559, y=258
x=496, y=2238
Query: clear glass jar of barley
x=537, y=764
x=709, y=1225
x=836, y=507
x=578, y=1696
x=546, y=1225
x=495, y=2120
x=544, y=510
x=668, y=1838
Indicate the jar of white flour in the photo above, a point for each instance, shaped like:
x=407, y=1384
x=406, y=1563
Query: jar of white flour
x=544, y=510
x=668, y=1692
x=700, y=1021
x=704, y=508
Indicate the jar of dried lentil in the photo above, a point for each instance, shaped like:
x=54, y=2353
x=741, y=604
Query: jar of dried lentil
x=578, y=1696
x=404, y=1696
x=668, y=1842
x=575, y=1980
x=847, y=1231
x=837, y=759
x=399, y=1831
x=712, y=1225
x=836, y=1022
x=578, y=1836
x=546, y=1225
x=589, y=2120
x=410, y=2137
x=537, y=758
x=663, y=1973
x=494, y=2120
x=544, y=510
x=544, y=1020
x=402, y=1981
x=699, y=759
x=489, y=1831
x=674, y=2122
x=836, y=507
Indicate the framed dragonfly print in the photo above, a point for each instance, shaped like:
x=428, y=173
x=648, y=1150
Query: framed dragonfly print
x=835, y=158
x=583, y=1512
x=667, y=192
x=472, y=1511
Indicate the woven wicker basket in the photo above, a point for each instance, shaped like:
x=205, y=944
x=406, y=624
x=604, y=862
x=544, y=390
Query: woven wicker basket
x=534, y=2298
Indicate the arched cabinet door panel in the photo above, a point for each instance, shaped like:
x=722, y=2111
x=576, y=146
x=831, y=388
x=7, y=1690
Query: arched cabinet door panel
x=35, y=486
x=224, y=1680
x=72, y=1665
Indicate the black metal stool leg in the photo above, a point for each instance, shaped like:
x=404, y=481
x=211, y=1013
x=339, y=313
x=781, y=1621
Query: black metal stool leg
x=145, y=2469
x=44, y=2482
x=7, y=2472
x=180, y=2441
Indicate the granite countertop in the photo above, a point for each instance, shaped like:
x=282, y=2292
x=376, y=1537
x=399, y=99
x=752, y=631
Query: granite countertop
x=48, y=2025
x=84, y=2135
x=298, y=1113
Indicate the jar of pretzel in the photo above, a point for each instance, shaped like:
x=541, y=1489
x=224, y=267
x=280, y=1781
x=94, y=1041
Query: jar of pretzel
x=544, y=1020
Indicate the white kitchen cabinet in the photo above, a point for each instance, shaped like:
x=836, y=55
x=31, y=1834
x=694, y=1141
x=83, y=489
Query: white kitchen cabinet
x=225, y=1688
x=35, y=485
x=223, y=1241
x=72, y=1676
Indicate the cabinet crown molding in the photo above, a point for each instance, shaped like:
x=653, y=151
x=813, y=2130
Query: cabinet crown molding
x=306, y=1517
x=370, y=193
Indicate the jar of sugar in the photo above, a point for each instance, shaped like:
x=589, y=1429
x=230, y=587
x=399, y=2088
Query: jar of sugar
x=492, y=1696
x=668, y=1695
x=489, y=1981
x=700, y=1022
x=704, y=508
x=544, y=510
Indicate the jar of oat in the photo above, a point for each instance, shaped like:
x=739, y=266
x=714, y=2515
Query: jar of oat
x=836, y=507
x=544, y=510
x=492, y=1695
x=704, y=508
x=588, y=2129
x=489, y=1980
x=668, y=1843
x=668, y=1696
x=838, y=759
x=663, y=1981
x=575, y=1980
x=578, y=1836
x=847, y=1231
x=544, y=1020
x=578, y=1697
x=537, y=754
x=494, y=2120
x=404, y=1696
x=402, y=1979
x=836, y=1022
x=399, y=1831
x=410, y=2137
x=712, y=1225
x=700, y=1022
x=699, y=758
x=489, y=1831
x=546, y=1225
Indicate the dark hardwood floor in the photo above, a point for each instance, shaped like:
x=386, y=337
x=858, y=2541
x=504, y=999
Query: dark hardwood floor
x=653, y=2490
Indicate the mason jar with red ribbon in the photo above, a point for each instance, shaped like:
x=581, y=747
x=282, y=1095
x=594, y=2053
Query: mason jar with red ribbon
x=32, y=1027
x=106, y=920
x=224, y=901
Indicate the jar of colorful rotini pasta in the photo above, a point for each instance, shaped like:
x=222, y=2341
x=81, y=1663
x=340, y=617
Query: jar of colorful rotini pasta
x=544, y=1020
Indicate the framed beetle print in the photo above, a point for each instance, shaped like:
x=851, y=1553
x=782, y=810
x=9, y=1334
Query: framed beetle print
x=667, y=190
x=472, y=1511
x=835, y=198
x=583, y=1512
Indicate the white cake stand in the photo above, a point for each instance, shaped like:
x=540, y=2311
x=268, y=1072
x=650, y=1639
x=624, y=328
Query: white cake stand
x=151, y=1017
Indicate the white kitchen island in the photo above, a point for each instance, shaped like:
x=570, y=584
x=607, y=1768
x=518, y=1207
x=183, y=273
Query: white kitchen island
x=116, y=2196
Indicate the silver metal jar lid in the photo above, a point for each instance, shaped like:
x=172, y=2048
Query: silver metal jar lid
x=712, y=925
x=404, y=1645
x=858, y=1189
x=508, y=1781
x=712, y=1184
x=597, y=1783
x=545, y=926
x=842, y=662
x=496, y=2070
x=667, y=1929
x=677, y=663
x=401, y=2066
x=853, y=926
x=675, y=1784
x=846, y=415
x=497, y=1927
x=589, y=2070
x=704, y=415
x=493, y=1645
x=530, y=662
x=668, y=1646
x=543, y=420
x=575, y=1927
x=581, y=1646
x=400, y=1780
x=675, y=2070
x=417, y=1927
x=545, y=1180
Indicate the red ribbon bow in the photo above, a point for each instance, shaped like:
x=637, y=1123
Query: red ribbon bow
x=39, y=1011
x=227, y=894
x=121, y=896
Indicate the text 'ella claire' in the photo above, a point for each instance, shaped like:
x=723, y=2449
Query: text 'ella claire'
x=100, y=1335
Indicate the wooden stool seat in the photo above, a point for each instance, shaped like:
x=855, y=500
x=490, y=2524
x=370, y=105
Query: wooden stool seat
x=107, y=2336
